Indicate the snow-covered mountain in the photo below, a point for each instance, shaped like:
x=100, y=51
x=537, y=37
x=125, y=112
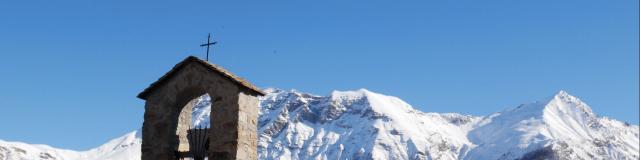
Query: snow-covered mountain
x=366, y=125
x=357, y=125
x=560, y=127
x=122, y=148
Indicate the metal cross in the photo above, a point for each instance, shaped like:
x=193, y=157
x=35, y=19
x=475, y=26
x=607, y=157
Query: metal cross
x=209, y=43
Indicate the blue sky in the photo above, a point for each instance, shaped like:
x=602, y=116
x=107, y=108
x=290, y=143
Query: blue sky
x=71, y=69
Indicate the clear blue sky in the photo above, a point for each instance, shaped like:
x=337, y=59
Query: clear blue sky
x=70, y=70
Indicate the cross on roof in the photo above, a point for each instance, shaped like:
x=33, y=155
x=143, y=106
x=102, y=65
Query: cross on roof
x=209, y=43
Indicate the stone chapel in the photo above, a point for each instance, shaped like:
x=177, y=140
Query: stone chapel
x=167, y=133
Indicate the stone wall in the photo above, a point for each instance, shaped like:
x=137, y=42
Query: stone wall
x=233, y=133
x=248, y=121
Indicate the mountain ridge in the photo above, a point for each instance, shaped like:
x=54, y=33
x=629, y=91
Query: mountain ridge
x=361, y=124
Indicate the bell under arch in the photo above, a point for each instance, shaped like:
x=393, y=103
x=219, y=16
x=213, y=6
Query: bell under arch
x=193, y=121
x=233, y=119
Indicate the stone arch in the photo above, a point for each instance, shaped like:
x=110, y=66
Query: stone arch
x=186, y=101
x=233, y=128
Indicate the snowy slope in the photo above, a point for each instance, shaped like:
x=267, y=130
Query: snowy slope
x=122, y=148
x=365, y=125
x=561, y=127
x=356, y=125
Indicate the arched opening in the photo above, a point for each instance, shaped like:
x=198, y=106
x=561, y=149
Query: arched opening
x=193, y=127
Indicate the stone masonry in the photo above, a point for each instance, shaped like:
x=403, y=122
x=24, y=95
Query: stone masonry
x=233, y=132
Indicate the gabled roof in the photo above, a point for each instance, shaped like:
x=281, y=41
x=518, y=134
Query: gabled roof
x=212, y=67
